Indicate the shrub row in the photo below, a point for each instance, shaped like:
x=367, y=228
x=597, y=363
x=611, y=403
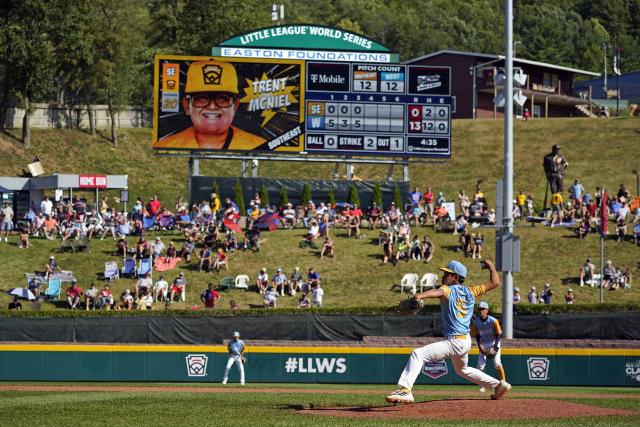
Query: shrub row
x=522, y=310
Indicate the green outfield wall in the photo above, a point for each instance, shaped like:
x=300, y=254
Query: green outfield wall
x=194, y=363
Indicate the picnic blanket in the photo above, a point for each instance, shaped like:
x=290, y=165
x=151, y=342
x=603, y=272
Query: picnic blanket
x=65, y=276
x=161, y=265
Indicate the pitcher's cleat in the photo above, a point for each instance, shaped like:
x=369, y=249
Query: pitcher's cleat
x=482, y=390
x=501, y=389
x=400, y=396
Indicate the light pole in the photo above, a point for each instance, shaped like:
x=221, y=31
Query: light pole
x=605, y=46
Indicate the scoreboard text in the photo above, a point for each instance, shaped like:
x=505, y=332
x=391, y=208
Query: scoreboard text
x=374, y=109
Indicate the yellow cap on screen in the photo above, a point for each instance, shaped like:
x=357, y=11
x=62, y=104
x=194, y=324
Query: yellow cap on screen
x=211, y=76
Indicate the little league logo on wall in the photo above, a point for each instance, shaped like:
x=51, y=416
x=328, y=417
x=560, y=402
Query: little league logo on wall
x=435, y=369
x=197, y=365
x=538, y=368
x=632, y=369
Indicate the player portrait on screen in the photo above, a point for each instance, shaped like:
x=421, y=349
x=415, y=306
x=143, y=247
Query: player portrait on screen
x=211, y=101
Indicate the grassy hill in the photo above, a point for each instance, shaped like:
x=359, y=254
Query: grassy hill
x=600, y=153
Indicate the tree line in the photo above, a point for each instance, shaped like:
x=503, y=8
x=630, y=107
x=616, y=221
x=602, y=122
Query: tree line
x=86, y=52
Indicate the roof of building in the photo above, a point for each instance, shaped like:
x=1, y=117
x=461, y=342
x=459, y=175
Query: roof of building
x=491, y=56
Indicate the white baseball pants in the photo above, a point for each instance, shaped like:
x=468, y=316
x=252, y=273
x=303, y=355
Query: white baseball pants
x=456, y=349
x=238, y=361
x=482, y=360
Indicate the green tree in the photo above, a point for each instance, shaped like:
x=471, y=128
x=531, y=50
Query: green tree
x=28, y=53
x=353, y=198
x=397, y=197
x=376, y=195
x=238, y=197
x=284, y=198
x=331, y=199
x=306, y=194
x=264, y=196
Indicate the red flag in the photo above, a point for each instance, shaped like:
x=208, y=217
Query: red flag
x=603, y=213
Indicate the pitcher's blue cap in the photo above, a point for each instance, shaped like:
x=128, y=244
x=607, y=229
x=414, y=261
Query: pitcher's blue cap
x=236, y=334
x=455, y=267
x=484, y=304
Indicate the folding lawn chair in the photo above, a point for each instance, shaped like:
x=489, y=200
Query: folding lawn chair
x=145, y=267
x=129, y=267
x=53, y=290
x=148, y=222
x=111, y=271
x=242, y=281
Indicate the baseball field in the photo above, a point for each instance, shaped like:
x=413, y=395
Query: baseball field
x=308, y=405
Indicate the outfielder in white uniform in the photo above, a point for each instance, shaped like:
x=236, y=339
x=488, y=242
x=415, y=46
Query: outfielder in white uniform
x=457, y=303
x=236, y=351
x=487, y=331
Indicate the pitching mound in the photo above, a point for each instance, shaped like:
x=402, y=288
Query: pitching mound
x=480, y=408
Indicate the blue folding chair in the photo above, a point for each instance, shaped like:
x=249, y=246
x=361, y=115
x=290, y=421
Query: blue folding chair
x=129, y=267
x=145, y=267
x=53, y=290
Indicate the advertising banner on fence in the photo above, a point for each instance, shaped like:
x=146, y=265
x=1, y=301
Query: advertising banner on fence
x=214, y=104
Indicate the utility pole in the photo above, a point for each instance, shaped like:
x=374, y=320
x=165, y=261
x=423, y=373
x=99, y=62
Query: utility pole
x=605, y=46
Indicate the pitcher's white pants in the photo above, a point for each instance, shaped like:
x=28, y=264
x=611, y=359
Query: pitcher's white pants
x=457, y=350
x=238, y=361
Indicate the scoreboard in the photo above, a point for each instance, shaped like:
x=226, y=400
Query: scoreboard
x=378, y=109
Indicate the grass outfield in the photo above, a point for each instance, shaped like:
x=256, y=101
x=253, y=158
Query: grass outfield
x=600, y=152
x=256, y=407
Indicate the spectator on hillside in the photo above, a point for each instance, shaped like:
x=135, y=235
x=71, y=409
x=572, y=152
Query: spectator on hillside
x=46, y=206
x=636, y=233
x=460, y=225
x=205, y=259
x=210, y=297
x=618, y=279
x=211, y=238
x=279, y=280
x=304, y=302
x=327, y=246
x=171, y=253
x=295, y=280
x=230, y=242
x=623, y=212
x=73, y=295
x=270, y=298
x=478, y=240
x=318, y=293
x=24, y=238
x=533, y=296
x=122, y=247
x=153, y=206
x=440, y=200
x=556, y=209
x=393, y=213
x=491, y=216
x=142, y=248
x=607, y=274
x=220, y=260
x=465, y=242
x=387, y=247
x=157, y=247
x=233, y=305
x=427, y=248
x=415, y=196
x=403, y=251
x=516, y=299
x=256, y=200
x=314, y=231
x=575, y=193
x=142, y=285
x=160, y=289
x=624, y=192
x=179, y=287
x=476, y=209
x=30, y=218
x=569, y=297
x=428, y=198
x=373, y=215
x=15, y=304
x=353, y=224
x=547, y=293
x=106, y=299
x=586, y=273
x=310, y=212
x=529, y=205
x=521, y=201
x=621, y=229
x=313, y=279
x=463, y=201
x=416, y=248
x=254, y=215
x=569, y=213
x=51, y=267
x=127, y=300
x=584, y=227
x=289, y=216
x=252, y=239
x=7, y=221
x=263, y=280
x=146, y=301
x=91, y=297
x=187, y=249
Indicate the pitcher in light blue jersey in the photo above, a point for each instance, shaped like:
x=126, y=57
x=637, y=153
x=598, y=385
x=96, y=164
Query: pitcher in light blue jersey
x=457, y=303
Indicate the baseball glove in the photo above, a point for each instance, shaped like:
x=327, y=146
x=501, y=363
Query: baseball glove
x=491, y=352
x=244, y=360
x=409, y=307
